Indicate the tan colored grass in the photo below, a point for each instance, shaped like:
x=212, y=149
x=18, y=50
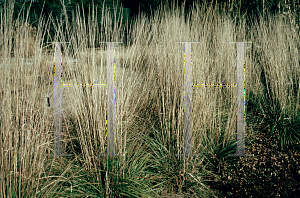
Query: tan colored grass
x=145, y=72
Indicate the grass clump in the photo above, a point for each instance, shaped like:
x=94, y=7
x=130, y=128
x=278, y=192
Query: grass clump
x=150, y=108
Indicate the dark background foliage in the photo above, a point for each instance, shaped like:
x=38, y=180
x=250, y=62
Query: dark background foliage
x=53, y=9
x=250, y=8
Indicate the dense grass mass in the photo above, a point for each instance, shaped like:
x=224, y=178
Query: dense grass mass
x=149, y=106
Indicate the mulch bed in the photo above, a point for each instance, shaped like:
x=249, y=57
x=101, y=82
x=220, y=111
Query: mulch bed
x=271, y=172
